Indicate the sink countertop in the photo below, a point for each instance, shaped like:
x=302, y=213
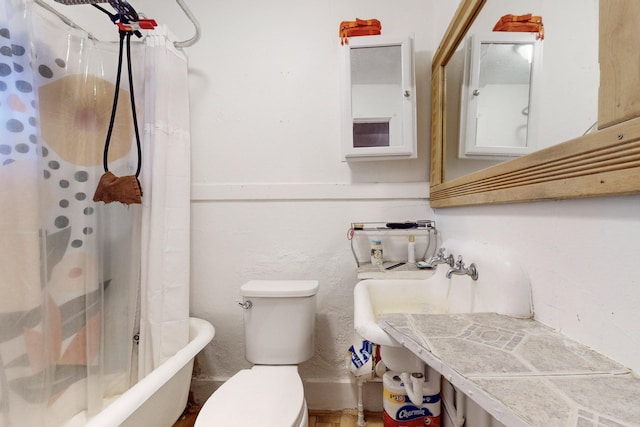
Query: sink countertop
x=521, y=371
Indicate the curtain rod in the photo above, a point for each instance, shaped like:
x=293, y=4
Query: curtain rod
x=178, y=44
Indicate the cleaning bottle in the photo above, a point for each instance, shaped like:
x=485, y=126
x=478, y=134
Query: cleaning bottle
x=411, y=250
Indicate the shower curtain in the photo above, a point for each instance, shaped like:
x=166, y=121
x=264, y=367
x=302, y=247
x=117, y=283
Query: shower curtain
x=166, y=213
x=92, y=296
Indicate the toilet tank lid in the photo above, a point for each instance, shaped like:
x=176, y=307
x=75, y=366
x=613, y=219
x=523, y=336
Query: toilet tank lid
x=279, y=288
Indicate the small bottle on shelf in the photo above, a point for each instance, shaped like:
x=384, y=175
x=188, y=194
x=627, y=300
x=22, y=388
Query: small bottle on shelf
x=376, y=252
x=411, y=250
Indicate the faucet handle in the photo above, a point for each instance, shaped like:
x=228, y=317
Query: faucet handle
x=441, y=252
x=459, y=262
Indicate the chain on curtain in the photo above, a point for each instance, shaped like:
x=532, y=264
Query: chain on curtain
x=69, y=267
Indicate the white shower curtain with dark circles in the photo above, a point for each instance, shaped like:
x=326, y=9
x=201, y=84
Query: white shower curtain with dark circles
x=78, y=279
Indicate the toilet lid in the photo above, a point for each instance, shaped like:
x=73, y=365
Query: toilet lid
x=261, y=396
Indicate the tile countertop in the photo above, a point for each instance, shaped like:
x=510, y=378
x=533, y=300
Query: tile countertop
x=520, y=371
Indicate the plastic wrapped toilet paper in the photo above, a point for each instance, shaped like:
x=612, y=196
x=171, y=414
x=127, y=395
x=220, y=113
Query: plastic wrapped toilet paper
x=361, y=361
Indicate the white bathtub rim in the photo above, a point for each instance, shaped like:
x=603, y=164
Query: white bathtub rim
x=127, y=403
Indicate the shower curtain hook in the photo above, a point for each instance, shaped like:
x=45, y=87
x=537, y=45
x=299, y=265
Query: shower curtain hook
x=126, y=18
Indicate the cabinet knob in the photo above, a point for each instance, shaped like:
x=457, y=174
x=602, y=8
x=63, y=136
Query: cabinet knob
x=407, y=93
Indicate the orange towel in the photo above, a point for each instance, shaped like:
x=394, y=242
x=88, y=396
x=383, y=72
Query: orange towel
x=359, y=27
x=521, y=23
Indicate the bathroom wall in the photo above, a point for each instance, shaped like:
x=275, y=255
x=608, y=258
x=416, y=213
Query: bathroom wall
x=271, y=196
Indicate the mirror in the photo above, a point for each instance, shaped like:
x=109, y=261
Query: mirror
x=376, y=74
x=567, y=78
x=598, y=163
x=498, y=105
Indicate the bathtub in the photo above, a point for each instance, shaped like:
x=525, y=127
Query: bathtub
x=159, y=398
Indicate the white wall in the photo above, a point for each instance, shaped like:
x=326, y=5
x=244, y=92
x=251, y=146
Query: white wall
x=265, y=111
x=271, y=196
x=582, y=259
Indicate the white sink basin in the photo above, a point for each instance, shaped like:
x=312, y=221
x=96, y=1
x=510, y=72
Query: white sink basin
x=502, y=287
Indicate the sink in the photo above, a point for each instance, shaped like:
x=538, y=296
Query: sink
x=371, y=298
x=502, y=287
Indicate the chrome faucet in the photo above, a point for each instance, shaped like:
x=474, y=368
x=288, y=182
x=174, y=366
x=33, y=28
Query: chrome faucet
x=439, y=258
x=460, y=269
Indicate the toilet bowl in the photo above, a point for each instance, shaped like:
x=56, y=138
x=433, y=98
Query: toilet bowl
x=266, y=396
x=279, y=321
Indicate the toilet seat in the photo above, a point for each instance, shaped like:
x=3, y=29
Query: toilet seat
x=266, y=396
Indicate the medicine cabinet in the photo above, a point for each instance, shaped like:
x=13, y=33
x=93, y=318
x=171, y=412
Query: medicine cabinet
x=499, y=108
x=378, y=99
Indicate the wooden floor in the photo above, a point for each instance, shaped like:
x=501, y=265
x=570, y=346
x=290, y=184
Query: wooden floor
x=342, y=419
x=316, y=418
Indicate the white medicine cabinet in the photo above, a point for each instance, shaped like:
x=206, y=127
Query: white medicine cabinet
x=499, y=105
x=378, y=99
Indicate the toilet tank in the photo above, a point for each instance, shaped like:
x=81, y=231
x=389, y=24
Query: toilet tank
x=279, y=325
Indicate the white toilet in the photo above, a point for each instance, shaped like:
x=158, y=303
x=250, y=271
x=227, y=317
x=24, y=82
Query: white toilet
x=279, y=319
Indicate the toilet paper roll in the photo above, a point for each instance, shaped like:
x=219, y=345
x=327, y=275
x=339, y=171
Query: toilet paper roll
x=398, y=407
x=393, y=388
x=427, y=414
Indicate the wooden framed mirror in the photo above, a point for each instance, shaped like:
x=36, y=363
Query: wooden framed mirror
x=606, y=162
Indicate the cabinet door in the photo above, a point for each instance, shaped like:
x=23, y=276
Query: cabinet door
x=378, y=99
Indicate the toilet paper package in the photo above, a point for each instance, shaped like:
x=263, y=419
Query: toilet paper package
x=362, y=359
x=399, y=411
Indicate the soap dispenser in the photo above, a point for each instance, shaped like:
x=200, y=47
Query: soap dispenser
x=411, y=250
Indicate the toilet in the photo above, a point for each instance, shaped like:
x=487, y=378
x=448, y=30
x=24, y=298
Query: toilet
x=279, y=319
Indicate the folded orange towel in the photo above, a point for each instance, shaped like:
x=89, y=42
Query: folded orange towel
x=527, y=23
x=359, y=27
